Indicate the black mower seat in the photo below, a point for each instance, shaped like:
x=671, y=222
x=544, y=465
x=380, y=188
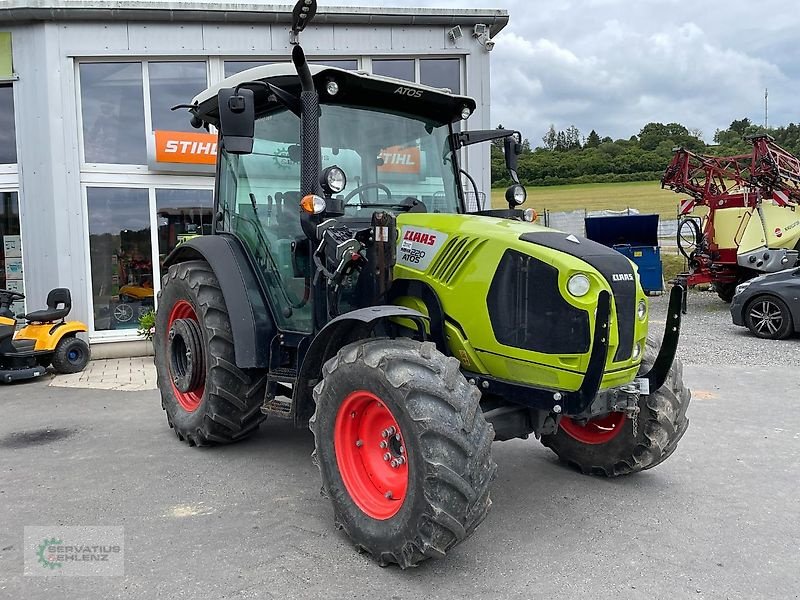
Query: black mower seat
x=56, y=297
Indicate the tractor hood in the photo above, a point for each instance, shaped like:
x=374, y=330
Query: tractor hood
x=507, y=286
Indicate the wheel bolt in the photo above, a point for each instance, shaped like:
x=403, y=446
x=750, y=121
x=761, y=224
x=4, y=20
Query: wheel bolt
x=395, y=464
x=401, y=460
x=385, y=433
x=388, y=495
x=387, y=456
x=397, y=437
x=402, y=449
x=383, y=444
x=359, y=443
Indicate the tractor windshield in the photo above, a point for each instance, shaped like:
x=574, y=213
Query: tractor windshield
x=389, y=160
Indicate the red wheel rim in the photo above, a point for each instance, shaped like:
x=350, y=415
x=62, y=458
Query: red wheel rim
x=371, y=455
x=189, y=399
x=596, y=431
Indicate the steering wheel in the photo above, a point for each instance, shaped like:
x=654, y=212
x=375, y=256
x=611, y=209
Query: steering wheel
x=12, y=295
x=368, y=186
x=7, y=298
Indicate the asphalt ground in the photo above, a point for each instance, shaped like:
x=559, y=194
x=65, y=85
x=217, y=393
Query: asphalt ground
x=719, y=519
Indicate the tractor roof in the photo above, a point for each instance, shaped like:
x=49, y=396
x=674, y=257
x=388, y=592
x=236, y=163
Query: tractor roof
x=356, y=88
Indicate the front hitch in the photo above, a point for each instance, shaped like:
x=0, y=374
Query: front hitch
x=658, y=373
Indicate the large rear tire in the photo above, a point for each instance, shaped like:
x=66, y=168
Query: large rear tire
x=207, y=398
x=609, y=445
x=384, y=400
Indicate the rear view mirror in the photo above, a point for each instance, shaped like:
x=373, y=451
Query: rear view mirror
x=512, y=149
x=237, y=119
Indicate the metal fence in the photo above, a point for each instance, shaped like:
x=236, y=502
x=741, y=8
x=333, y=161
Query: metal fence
x=573, y=222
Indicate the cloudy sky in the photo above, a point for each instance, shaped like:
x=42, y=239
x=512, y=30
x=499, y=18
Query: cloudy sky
x=614, y=65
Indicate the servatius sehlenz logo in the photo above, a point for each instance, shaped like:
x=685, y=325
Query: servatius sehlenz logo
x=46, y=553
x=418, y=246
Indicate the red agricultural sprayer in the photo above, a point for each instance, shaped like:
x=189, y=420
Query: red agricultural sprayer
x=741, y=218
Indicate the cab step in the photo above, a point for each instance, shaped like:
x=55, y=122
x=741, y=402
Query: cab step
x=278, y=395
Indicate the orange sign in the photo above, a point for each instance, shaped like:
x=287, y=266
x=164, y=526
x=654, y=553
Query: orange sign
x=183, y=147
x=398, y=159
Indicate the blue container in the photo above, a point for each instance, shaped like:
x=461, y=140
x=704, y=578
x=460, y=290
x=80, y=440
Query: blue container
x=635, y=236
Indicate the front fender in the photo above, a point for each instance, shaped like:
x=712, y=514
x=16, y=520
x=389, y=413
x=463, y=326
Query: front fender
x=344, y=329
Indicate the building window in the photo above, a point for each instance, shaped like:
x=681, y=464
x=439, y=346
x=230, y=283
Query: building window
x=120, y=256
x=182, y=214
x=232, y=67
x=112, y=106
x=349, y=64
x=441, y=73
x=173, y=83
x=8, y=137
x=399, y=69
x=11, y=248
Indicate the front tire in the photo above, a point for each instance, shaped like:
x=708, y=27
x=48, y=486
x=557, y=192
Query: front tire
x=207, y=398
x=382, y=400
x=607, y=445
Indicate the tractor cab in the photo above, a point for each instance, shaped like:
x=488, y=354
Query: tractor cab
x=385, y=146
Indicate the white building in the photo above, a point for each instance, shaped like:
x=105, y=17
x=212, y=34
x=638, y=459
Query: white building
x=86, y=87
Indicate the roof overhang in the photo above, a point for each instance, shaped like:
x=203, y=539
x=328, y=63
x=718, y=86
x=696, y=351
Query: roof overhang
x=237, y=12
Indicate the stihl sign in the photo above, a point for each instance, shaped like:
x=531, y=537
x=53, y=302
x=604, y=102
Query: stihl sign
x=186, y=148
x=400, y=160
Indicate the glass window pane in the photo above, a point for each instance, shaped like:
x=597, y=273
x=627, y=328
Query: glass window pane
x=11, y=248
x=120, y=255
x=350, y=64
x=8, y=137
x=232, y=67
x=441, y=73
x=112, y=106
x=399, y=69
x=182, y=215
x=174, y=83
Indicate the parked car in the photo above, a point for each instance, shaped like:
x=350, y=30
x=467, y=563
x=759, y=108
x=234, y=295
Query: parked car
x=769, y=305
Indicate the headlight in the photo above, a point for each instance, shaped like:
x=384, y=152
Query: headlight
x=332, y=88
x=465, y=112
x=743, y=286
x=641, y=310
x=516, y=195
x=334, y=180
x=637, y=350
x=578, y=285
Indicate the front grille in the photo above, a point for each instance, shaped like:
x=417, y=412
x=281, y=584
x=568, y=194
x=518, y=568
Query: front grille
x=613, y=266
x=527, y=310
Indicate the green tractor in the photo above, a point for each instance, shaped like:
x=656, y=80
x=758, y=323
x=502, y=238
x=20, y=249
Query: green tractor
x=346, y=288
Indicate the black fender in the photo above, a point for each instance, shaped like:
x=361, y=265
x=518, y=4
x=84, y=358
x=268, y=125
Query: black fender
x=251, y=321
x=344, y=329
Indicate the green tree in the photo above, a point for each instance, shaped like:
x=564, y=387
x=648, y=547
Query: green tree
x=593, y=141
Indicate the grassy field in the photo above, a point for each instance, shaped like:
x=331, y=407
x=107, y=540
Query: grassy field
x=646, y=196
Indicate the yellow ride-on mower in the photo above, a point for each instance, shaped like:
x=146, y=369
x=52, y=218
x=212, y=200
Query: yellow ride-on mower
x=46, y=339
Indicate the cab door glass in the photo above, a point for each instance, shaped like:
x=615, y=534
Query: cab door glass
x=260, y=201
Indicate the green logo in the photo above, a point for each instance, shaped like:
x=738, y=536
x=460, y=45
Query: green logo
x=48, y=560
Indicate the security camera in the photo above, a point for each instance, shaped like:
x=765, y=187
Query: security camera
x=489, y=45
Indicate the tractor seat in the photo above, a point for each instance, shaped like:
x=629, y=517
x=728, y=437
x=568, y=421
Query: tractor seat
x=57, y=297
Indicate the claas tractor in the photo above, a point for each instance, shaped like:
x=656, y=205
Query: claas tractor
x=345, y=287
